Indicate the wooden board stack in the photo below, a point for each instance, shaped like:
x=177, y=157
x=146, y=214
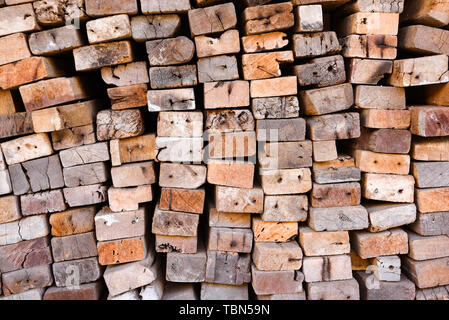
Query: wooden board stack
x=284, y=154
x=369, y=37
x=131, y=131
x=125, y=244
x=179, y=148
x=335, y=194
x=422, y=35
x=231, y=144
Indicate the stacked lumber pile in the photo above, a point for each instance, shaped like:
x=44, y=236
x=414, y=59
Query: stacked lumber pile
x=381, y=151
x=424, y=37
x=224, y=150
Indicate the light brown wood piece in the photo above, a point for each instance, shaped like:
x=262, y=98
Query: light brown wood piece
x=9, y=209
x=386, y=243
x=226, y=94
x=128, y=199
x=427, y=248
x=265, y=231
x=227, y=43
x=99, y=8
x=276, y=282
x=429, y=121
x=372, y=162
x=172, y=223
x=53, y=92
x=14, y=48
x=182, y=150
x=219, y=68
x=106, y=29
x=180, y=124
x=87, y=174
x=420, y=71
x=385, y=119
x=428, y=12
x=65, y=117
x=307, y=45
x=265, y=65
x=160, y=6
x=329, y=268
x=27, y=148
x=182, y=200
x=424, y=39
x=119, y=124
x=325, y=243
x=230, y=239
x=373, y=46
x=72, y=222
x=427, y=274
x=380, y=97
x=264, y=42
x=285, y=155
x=324, y=151
x=386, y=216
x=232, y=145
x=229, y=120
x=150, y=27
x=128, y=97
x=335, y=195
x=122, y=251
x=171, y=100
x=268, y=18
x=97, y=152
x=334, y=127
x=432, y=200
x=55, y=41
x=133, y=174
x=230, y=199
x=173, y=175
x=212, y=19
x=135, y=149
x=57, y=13
x=8, y=104
x=126, y=74
x=11, y=23
x=391, y=188
x=283, y=86
x=431, y=149
x=370, y=23
x=285, y=208
x=85, y=195
x=277, y=256
x=275, y=107
x=176, y=244
x=173, y=77
x=229, y=219
x=102, y=55
x=338, y=218
x=29, y=70
x=367, y=71
x=230, y=173
x=172, y=51
x=309, y=18
x=287, y=181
